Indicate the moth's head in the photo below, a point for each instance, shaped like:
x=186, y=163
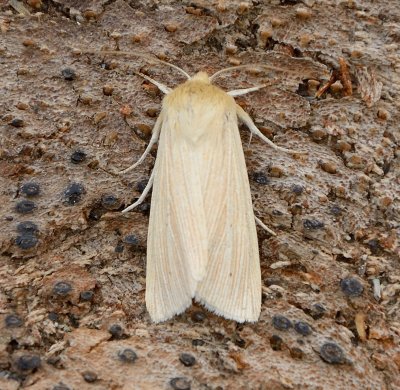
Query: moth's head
x=201, y=76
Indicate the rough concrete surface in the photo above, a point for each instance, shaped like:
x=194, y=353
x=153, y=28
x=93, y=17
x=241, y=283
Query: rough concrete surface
x=72, y=282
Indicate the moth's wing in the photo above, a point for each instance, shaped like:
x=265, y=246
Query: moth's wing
x=177, y=237
x=232, y=285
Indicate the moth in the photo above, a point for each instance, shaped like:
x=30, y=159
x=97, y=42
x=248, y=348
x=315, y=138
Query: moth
x=202, y=240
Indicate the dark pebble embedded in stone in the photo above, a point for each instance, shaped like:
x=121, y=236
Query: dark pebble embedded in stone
x=332, y=353
x=240, y=342
x=303, y=328
x=119, y=248
x=374, y=246
x=78, y=156
x=198, y=316
x=89, y=376
x=53, y=316
x=68, y=74
x=297, y=189
x=73, y=193
x=13, y=321
x=198, y=342
x=336, y=210
x=351, y=287
x=281, y=323
x=276, y=342
x=127, y=355
x=313, y=224
x=187, y=359
x=30, y=189
x=110, y=202
x=26, y=241
x=131, y=239
x=260, y=178
x=62, y=288
x=86, y=295
x=25, y=206
x=28, y=362
x=317, y=311
x=116, y=331
x=27, y=227
x=180, y=383
x=17, y=122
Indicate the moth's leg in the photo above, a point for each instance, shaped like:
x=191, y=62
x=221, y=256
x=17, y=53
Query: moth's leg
x=266, y=228
x=143, y=194
x=245, y=118
x=153, y=140
x=161, y=87
x=239, y=92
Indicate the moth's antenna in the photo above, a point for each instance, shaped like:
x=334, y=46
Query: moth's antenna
x=141, y=55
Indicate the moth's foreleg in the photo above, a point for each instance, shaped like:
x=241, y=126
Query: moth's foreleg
x=143, y=195
x=240, y=92
x=265, y=227
x=161, y=87
x=245, y=118
x=153, y=140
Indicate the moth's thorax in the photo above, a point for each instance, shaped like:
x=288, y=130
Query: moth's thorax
x=197, y=109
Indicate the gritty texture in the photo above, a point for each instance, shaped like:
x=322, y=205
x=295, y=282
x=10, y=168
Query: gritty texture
x=72, y=267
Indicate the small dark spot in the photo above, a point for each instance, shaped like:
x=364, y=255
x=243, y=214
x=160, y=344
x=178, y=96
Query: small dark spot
x=62, y=288
x=351, y=287
x=73, y=320
x=278, y=213
x=296, y=353
x=30, y=189
x=74, y=193
x=297, y=189
x=336, y=210
x=25, y=206
x=198, y=316
x=119, y=248
x=127, y=355
x=240, y=342
x=78, y=156
x=281, y=323
x=86, y=295
x=197, y=342
x=95, y=214
x=61, y=386
x=26, y=241
x=116, y=331
x=374, y=246
x=27, y=227
x=276, y=342
x=272, y=281
x=17, y=122
x=89, y=376
x=260, y=178
x=28, y=362
x=180, y=383
x=13, y=321
x=187, y=359
x=53, y=316
x=68, y=74
x=110, y=202
x=332, y=353
x=313, y=224
x=303, y=328
x=317, y=311
x=131, y=239
x=215, y=43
